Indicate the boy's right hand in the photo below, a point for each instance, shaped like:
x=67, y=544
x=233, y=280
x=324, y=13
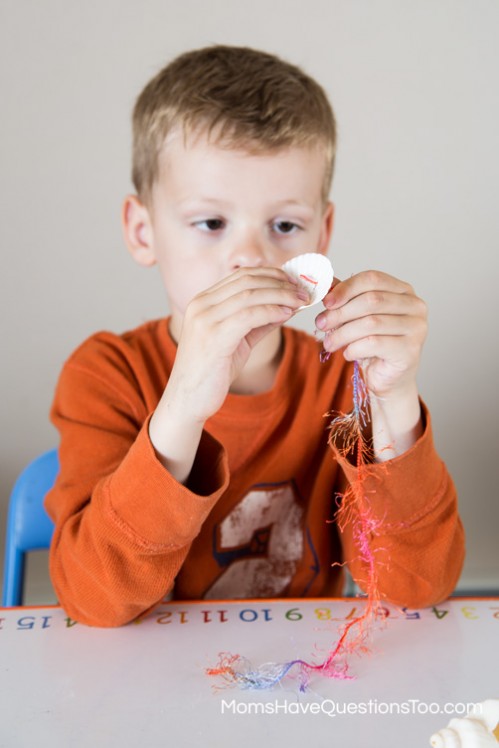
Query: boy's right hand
x=220, y=328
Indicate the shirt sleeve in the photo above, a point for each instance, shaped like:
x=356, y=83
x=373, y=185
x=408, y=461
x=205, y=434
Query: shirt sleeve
x=415, y=534
x=123, y=524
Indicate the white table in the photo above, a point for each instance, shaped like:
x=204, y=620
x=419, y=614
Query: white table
x=64, y=684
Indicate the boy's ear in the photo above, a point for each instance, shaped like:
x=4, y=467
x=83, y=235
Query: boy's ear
x=137, y=230
x=326, y=228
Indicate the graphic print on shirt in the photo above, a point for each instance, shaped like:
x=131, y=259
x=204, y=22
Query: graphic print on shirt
x=260, y=543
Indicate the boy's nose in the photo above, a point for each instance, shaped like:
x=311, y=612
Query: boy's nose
x=249, y=254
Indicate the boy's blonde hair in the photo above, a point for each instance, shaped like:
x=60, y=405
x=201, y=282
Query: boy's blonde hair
x=243, y=97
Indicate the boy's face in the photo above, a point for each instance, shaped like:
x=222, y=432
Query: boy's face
x=214, y=210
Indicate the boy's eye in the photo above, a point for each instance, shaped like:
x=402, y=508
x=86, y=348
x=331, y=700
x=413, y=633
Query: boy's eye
x=210, y=224
x=286, y=227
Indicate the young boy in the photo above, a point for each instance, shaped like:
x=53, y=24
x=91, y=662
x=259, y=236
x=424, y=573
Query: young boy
x=194, y=455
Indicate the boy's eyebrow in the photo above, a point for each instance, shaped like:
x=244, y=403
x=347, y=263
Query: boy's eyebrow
x=196, y=200
x=223, y=203
x=294, y=204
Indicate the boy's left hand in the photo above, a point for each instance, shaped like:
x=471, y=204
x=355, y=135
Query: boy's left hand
x=380, y=321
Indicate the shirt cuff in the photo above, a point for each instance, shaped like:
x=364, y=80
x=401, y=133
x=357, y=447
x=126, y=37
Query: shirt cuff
x=152, y=507
x=403, y=490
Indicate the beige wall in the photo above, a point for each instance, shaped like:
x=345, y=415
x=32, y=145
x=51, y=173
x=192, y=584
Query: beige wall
x=414, y=85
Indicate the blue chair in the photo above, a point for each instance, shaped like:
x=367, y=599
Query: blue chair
x=29, y=527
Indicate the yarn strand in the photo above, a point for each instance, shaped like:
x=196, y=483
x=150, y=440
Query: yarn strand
x=347, y=432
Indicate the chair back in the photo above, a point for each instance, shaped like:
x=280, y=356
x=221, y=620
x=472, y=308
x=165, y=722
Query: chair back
x=29, y=528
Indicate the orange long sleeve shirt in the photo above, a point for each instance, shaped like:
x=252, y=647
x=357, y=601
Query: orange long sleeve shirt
x=255, y=517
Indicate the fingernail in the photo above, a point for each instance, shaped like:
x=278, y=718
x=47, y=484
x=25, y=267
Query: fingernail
x=303, y=295
x=330, y=300
x=320, y=322
x=328, y=340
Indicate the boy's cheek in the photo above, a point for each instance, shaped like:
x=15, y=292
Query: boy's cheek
x=180, y=293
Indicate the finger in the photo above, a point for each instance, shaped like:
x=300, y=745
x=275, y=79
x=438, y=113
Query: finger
x=374, y=326
x=227, y=333
x=252, y=276
x=247, y=290
x=372, y=304
x=219, y=338
x=241, y=308
x=336, y=282
x=392, y=349
x=368, y=280
x=243, y=304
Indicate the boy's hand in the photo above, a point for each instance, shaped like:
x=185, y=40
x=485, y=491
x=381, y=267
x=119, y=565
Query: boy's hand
x=380, y=321
x=220, y=328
